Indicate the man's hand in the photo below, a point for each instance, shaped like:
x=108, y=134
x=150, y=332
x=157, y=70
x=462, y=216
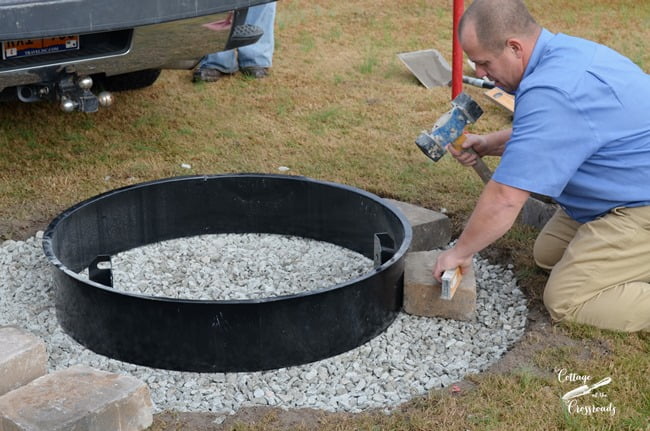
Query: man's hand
x=450, y=259
x=491, y=144
x=477, y=143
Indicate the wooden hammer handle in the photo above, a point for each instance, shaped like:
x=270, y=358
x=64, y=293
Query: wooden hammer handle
x=480, y=167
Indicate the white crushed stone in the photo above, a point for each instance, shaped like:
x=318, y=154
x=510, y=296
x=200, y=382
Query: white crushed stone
x=414, y=355
x=235, y=267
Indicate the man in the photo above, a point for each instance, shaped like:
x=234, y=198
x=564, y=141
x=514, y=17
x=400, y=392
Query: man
x=252, y=60
x=580, y=134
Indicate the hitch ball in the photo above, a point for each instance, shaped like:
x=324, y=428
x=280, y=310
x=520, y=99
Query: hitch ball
x=105, y=98
x=85, y=82
x=68, y=105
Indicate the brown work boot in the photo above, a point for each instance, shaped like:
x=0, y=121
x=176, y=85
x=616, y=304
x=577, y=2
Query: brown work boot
x=255, y=72
x=204, y=74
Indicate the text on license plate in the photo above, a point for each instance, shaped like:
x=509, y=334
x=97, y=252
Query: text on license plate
x=29, y=47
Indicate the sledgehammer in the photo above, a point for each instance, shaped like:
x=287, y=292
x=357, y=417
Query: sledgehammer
x=449, y=130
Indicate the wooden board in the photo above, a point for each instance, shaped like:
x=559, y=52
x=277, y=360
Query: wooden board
x=450, y=282
x=502, y=98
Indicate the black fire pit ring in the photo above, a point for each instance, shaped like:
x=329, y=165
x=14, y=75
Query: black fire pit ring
x=226, y=335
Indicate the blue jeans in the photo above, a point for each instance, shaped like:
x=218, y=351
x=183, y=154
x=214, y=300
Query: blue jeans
x=258, y=54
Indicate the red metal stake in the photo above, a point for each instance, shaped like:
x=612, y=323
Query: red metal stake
x=457, y=53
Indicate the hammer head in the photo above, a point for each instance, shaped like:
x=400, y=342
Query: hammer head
x=449, y=127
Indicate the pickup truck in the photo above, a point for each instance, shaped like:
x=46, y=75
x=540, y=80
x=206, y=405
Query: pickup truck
x=76, y=52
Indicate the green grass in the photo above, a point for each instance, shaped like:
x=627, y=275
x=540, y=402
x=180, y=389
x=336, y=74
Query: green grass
x=339, y=106
x=369, y=63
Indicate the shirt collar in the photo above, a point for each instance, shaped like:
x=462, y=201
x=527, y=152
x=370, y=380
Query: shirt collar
x=544, y=37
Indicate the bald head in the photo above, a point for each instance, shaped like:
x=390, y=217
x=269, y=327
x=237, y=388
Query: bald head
x=496, y=21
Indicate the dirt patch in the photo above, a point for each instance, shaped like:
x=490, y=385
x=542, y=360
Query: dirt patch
x=22, y=229
x=308, y=419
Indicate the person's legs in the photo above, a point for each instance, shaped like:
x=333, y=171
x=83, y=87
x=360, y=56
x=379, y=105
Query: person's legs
x=224, y=61
x=260, y=53
x=252, y=59
x=215, y=66
x=603, y=275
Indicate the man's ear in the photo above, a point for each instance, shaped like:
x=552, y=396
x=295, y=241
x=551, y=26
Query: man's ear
x=516, y=46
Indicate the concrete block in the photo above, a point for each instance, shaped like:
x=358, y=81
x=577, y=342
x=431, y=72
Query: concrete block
x=23, y=357
x=536, y=212
x=78, y=398
x=422, y=291
x=431, y=229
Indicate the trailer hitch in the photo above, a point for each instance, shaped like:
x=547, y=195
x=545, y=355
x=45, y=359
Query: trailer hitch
x=72, y=91
x=75, y=95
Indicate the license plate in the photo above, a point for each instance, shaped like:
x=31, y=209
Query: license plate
x=29, y=47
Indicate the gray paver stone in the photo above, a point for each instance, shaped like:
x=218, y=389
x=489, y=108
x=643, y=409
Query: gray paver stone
x=78, y=398
x=23, y=357
x=431, y=229
x=537, y=213
x=422, y=291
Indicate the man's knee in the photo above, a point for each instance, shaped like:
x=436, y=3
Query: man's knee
x=554, y=239
x=545, y=256
x=557, y=303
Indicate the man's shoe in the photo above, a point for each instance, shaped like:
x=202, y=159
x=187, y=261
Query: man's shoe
x=255, y=72
x=204, y=74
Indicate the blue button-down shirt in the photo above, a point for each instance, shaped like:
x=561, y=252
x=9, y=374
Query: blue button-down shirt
x=581, y=128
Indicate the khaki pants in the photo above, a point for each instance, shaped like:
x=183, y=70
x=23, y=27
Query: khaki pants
x=600, y=270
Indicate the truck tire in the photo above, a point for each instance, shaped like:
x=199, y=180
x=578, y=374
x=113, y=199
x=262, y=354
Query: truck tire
x=131, y=80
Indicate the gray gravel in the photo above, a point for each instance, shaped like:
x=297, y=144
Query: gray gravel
x=411, y=357
x=235, y=266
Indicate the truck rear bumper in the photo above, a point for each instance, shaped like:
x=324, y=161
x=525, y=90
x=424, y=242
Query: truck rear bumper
x=26, y=19
x=170, y=45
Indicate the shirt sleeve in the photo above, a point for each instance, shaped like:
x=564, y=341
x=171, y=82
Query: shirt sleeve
x=550, y=139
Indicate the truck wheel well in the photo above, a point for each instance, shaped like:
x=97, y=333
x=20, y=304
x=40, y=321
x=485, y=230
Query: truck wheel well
x=130, y=81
